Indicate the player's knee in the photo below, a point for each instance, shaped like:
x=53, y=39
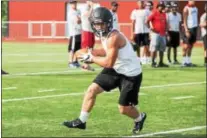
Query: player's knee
x=92, y=91
x=124, y=109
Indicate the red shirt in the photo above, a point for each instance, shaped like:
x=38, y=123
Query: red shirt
x=159, y=22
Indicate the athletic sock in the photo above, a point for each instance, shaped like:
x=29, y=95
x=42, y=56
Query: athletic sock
x=84, y=116
x=139, y=118
x=184, y=60
x=189, y=60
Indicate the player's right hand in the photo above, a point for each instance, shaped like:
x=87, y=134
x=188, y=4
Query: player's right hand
x=86, y=58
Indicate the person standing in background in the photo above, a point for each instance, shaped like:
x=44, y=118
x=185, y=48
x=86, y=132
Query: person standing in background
x=159, y=29
x=114, y=8
x=74, y=34
x=174, y=23
x=140, y=30
x=203, y=25
x=88, y=37
x=190, y=22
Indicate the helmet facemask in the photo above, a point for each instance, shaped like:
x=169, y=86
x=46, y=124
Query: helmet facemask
x=101, y=28
x=101, y=21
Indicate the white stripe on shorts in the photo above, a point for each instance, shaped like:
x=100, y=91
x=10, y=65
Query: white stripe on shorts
x=73, y=43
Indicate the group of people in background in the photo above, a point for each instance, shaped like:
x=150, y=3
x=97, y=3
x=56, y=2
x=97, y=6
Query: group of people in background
x=153, y=31
x=82, y=38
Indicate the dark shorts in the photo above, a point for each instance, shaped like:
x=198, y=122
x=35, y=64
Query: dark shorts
x=109, y=79
x=74, y=43
x=142, y=39
x=205, y=41
x=193, y=36
x=174, y=39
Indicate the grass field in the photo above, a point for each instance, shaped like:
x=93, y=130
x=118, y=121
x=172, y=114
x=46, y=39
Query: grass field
x=41, y=92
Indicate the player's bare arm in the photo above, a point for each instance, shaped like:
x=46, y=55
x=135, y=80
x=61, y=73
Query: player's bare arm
x=114, y=43
x=133, y=29
x=185, y=15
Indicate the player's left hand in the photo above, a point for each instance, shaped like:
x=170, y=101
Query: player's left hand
x=86, y=58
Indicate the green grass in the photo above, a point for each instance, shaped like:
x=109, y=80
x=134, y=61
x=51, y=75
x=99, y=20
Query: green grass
x=43, y=117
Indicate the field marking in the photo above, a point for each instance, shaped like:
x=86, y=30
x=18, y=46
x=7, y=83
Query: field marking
x=182, y=97
x=170, y=131
x=176, y=84
x=37, y=61
x=50, y=96
x=33, y=54
x=39, y=97
x=52, y=72
x=48, y=90
x=9, y=88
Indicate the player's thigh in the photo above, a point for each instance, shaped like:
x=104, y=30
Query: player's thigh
x=162, y=45
x=129, y=90
x=193, y=37
x=146, y=39
x=107, y=79
x=137, y=39
x=176, y=39
x=154, y=41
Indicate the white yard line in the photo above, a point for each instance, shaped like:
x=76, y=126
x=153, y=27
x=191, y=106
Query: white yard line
x=169, y=132
x=36, y=61
x=182, y=97
x=176, y=84
x=33, y=54
x=49, y=96
x=48, y=90
x=52, y=72
x=39, y=97
x=9, y=88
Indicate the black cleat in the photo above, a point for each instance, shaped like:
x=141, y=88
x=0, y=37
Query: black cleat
x=4, y=72
x=77, y=123
x=162, y=65
x=153, y=65
x=176, y=62
x=139, y=125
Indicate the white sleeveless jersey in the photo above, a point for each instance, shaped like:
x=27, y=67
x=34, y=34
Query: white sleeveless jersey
x=192, y=19
x=127, y=62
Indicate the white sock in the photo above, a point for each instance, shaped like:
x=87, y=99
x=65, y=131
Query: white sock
x=84, y=116
x=189, y=59
x=139, y=118
x=184, y=60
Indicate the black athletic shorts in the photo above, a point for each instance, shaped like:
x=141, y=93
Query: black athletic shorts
x=142, y=39
x=205, y=41
x=74, y=43
x=174, y=39
x=193, y=36
x=109, y=79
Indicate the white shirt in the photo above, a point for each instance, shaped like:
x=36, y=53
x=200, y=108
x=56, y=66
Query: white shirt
x=203, y=20
x=86, y=25
x=174, y=21
x=115, y=20
x=140, y=16
x=192, y=19
x=74, y=27
x=127, y=62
